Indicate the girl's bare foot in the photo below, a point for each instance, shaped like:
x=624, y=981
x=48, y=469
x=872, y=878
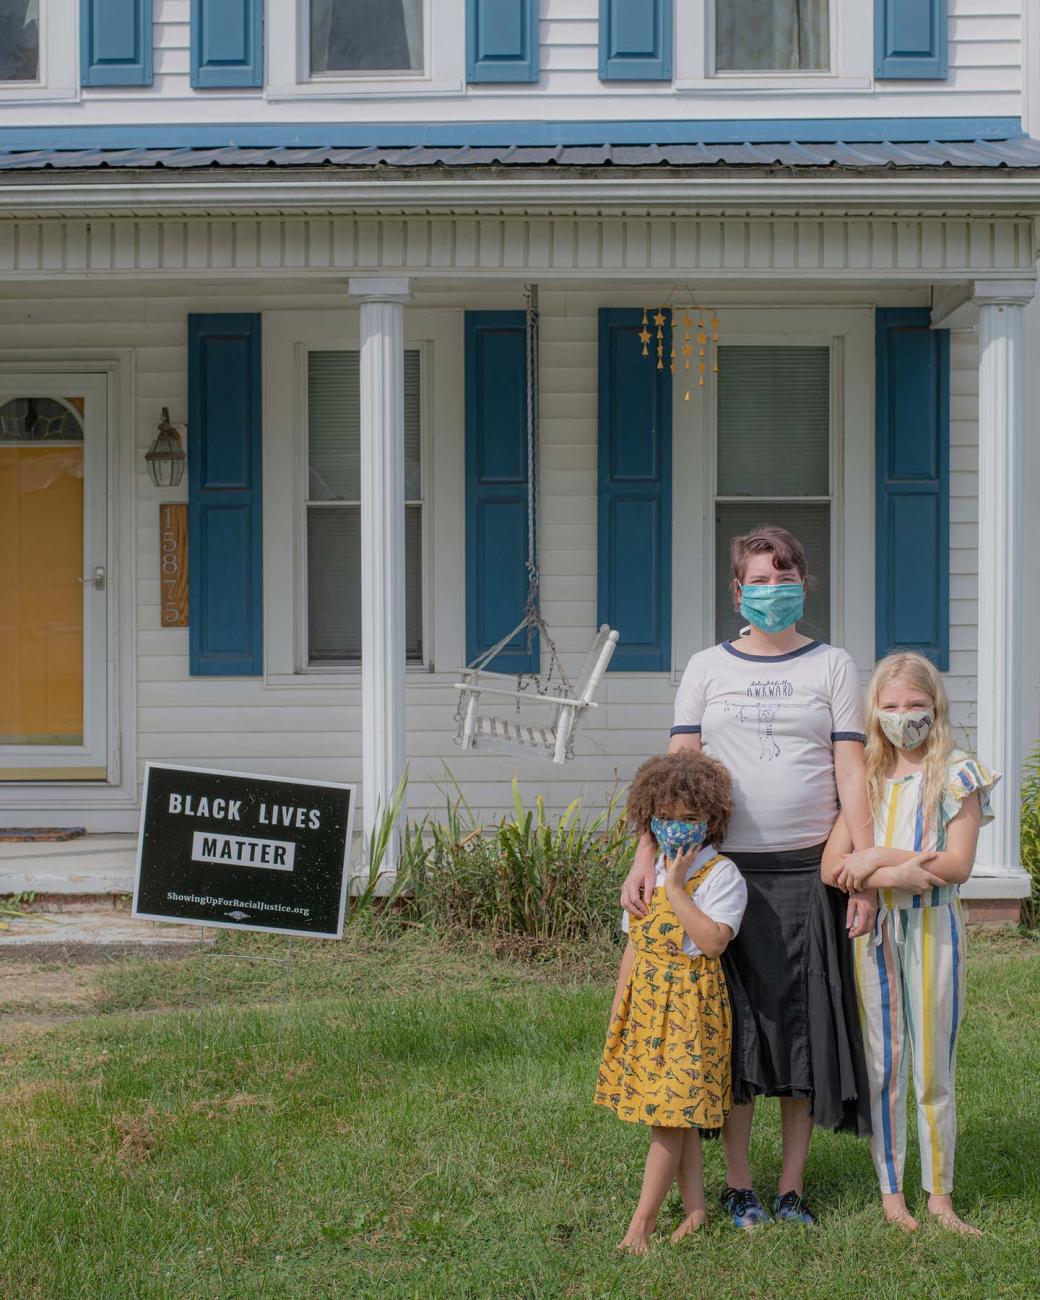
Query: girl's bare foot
x=636, y=1240
x=693, y=1222
x=894, y=1206
x=941, y=1209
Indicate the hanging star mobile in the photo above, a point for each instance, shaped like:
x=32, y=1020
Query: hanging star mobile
x=684, y=337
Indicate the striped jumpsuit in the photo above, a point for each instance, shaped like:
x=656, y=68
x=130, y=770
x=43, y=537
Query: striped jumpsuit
x=910, y=983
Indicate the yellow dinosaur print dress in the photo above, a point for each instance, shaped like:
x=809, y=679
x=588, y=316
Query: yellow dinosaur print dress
x=667, y=1057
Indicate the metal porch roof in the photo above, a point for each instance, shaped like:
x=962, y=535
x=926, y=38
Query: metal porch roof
x=1020, y=153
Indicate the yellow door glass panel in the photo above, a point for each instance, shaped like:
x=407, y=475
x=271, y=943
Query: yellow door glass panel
x=41, y=599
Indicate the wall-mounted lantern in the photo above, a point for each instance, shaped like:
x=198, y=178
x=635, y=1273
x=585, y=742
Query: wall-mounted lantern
x=166, y=456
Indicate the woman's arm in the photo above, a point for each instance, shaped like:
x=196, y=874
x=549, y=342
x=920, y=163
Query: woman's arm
x=641, y=879
x=627, y=959
x=850, y=775
x=880, y=867
x=839, y=845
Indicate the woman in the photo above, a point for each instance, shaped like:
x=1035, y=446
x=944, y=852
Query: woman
x=784, y=713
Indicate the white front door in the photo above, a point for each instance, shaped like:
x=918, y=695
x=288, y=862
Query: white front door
x=54, y=580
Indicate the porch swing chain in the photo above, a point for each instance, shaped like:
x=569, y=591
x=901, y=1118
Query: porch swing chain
x=532, y=606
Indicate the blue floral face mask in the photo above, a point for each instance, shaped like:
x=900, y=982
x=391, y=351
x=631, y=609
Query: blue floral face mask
x=771, y=606
x=676, y=837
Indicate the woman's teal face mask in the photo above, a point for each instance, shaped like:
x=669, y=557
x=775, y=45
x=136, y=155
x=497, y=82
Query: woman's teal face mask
x=772, y=607
x=676, y=837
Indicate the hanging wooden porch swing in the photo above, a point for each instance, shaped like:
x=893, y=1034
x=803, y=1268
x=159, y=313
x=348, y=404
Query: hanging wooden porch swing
x=547, y=708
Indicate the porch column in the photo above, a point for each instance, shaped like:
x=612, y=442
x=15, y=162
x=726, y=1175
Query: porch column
x=382, y=541
x=1002, y=363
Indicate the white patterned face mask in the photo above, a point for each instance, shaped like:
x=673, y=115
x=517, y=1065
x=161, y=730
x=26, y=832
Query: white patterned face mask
x=906, y=730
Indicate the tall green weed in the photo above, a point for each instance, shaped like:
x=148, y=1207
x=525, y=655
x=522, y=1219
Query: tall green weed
x=1030, y=827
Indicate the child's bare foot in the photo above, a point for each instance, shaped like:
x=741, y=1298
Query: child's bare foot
x=941, y=1209
x=693, y=1222
x=894, y=1206
x=636, y=1240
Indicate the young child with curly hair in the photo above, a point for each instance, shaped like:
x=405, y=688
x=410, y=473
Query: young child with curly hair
x=666, y=1062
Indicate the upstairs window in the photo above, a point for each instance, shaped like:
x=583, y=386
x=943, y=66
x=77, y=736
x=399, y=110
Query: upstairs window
x=772, y=35
x=19, y=40
x=350, y=36
x=346, y=49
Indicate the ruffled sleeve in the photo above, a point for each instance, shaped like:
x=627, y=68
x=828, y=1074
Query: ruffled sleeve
x=966, y=775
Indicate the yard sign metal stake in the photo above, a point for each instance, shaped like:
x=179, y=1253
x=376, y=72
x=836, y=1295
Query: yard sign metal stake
x=284, y=961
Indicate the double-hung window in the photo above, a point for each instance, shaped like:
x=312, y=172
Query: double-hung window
x=773, y=465
x=38, y=50
x=345, y=48
x=333, y=508
x=774, y=47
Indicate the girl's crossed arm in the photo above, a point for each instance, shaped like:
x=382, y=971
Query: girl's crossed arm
x=951, y=866
x=883, y=868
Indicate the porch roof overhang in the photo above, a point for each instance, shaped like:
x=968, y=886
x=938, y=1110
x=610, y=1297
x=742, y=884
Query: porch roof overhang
x=982, y=175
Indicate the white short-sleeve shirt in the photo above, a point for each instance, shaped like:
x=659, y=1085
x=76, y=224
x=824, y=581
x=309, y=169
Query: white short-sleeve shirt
x=721, y=895
x=773, y=721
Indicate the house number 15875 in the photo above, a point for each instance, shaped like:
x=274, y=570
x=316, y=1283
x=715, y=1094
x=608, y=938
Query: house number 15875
x=173, y=565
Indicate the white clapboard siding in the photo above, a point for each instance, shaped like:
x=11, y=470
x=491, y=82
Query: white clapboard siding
x=985, y=79
x=312, y=729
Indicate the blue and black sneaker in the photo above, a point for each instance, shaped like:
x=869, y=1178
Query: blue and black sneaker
x=744, y=1207
x=793, y=1208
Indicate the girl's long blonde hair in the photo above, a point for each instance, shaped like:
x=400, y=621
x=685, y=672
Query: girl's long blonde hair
x=923, y=676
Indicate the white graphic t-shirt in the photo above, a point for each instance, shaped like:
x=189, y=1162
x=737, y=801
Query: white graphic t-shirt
x=773, y=720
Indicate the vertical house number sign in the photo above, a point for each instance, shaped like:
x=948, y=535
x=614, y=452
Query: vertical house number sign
x=173, y=565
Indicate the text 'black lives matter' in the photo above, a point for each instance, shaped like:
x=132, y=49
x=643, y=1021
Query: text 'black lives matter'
x=244, y=852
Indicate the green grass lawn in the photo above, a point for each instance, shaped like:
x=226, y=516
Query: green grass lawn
x=428, y=1132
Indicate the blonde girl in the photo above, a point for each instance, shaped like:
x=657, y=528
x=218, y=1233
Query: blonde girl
x=928, y=801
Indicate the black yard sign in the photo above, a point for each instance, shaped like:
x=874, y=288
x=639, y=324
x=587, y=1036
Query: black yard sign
x=244, y=852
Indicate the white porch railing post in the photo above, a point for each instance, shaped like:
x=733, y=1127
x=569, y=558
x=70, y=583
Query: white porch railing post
x=1002, y=364
x=383, y=649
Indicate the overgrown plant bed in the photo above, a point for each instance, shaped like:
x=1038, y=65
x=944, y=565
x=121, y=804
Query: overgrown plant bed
x=538, y=879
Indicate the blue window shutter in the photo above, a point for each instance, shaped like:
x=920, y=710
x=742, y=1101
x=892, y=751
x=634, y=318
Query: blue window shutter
x=496, y=487
x=913, y=484
x=116, y=42
x=224, y=496
x=635, y=41
x=501, y=40
x=635, y=495
x=910, y=39
x=227, y=46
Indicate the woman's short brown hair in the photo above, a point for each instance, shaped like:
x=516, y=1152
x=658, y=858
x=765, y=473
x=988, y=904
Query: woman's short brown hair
x=686, y=777
x=766, y=539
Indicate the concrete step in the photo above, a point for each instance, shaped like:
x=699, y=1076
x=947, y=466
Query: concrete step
x=72, y=927
x=90, y=865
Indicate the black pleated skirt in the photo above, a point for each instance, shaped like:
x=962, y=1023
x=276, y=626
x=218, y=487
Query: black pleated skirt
x=792, y=988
